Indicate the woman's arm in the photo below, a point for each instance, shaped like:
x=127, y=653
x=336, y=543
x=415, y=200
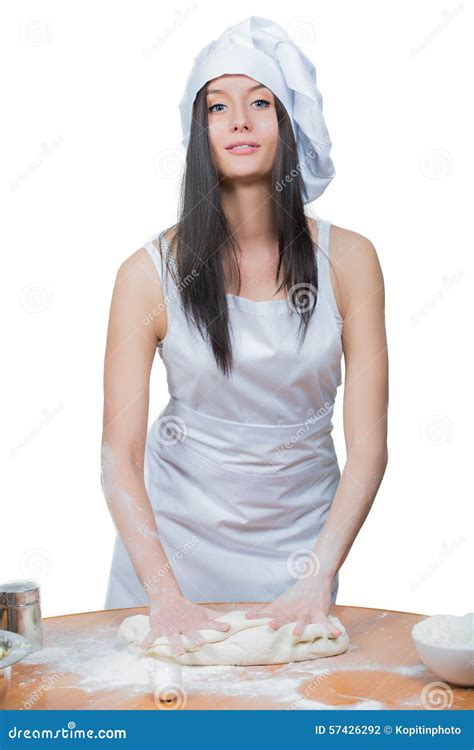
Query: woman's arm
x=130, y=350
x=365, y=397
x=129, y=354
x=359, y=289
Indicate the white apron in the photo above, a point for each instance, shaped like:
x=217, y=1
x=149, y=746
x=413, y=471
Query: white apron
x=241, y=472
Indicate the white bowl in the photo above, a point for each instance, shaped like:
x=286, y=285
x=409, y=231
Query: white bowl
x=445, y=645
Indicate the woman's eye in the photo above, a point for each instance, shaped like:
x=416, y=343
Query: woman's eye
x=264, y=101
x=211, y=108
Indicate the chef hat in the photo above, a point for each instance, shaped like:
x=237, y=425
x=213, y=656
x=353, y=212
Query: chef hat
x=262, y=50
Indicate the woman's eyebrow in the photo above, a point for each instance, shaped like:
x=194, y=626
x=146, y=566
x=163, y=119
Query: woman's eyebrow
x=252, y=88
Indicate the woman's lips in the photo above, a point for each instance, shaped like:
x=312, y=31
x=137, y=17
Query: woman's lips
x=244, y=149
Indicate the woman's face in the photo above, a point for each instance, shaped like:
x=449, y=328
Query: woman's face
x=240, y=109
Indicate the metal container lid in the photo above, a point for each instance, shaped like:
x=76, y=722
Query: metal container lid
x=19, y=593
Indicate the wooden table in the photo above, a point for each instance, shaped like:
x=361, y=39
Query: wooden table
x=380, y=670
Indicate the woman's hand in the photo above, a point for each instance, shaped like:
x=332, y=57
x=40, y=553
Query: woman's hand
x=306, y=602
x=172, y=615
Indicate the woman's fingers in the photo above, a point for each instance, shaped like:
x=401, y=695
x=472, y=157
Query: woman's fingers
x=216, y=625
x=275, y=624
x=333, y=630
x=279, y=620
x=151, y=637
x=194, y=638
x=299, y=627
x=302, y=622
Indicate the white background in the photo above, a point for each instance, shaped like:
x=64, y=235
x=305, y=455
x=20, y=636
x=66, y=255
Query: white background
x=91, y=160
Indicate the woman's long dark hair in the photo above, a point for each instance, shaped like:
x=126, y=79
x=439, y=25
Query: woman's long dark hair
x=203, y=236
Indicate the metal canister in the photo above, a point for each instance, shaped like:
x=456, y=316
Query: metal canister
x=20, y=611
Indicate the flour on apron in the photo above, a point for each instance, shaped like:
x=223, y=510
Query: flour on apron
x=241, y=472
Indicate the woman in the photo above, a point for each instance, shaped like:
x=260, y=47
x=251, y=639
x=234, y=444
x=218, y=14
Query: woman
x=234, y=493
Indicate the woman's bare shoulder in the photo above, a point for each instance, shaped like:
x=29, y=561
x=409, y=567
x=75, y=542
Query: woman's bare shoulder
x=142, y=259
x=356, y=265
x=348, y=246
x=354, y=257
x=343, y=242
x=354, y=262
x=138, y=285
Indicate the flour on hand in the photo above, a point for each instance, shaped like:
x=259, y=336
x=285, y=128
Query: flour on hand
x=247, y=642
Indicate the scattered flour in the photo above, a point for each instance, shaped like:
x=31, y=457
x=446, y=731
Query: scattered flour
x=413, y=671
x=100, y=662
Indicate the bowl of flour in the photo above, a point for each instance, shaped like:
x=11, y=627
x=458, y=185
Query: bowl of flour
x=445, y=644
